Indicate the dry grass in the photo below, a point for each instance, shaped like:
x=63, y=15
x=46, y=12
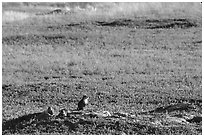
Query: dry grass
x=142, y=9
x=125, y=63
x=88, y=11
x=10, y=16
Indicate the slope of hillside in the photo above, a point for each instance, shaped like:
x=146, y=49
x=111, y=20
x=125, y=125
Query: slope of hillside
x=140, y=62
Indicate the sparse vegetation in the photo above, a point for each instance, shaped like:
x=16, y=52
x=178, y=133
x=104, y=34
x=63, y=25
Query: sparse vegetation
x=147, y=65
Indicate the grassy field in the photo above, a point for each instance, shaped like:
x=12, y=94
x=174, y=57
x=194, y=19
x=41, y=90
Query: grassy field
x=131, y=58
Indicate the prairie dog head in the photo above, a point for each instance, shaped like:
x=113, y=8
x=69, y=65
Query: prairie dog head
x=85, y=99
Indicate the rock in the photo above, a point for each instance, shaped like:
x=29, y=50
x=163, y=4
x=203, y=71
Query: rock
x=157, y=122
x=106, y=114
x=103, y=114
x=133, y=116
x=121, y=114
x=175, y=119
x=188, y=117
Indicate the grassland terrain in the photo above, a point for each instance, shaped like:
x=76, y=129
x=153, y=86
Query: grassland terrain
x=142, y=61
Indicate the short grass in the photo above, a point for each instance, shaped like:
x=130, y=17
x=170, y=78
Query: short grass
x=124, y=63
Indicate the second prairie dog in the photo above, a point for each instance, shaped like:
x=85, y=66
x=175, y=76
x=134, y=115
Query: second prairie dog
x=46, y=114
x=62, y=113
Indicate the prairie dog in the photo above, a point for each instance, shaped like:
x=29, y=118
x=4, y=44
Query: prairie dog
x=46, y=114
x=62, y=113
x=83, y=102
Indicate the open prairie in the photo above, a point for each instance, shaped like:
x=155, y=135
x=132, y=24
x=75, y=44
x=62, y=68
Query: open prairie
x=141, y=62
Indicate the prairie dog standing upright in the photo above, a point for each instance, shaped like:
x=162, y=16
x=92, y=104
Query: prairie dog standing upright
x=83, y=102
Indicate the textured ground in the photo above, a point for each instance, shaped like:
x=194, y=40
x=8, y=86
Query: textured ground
x=146, y=66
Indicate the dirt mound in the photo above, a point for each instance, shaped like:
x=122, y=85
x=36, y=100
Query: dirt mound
x=150, y=23
x=98, y=123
